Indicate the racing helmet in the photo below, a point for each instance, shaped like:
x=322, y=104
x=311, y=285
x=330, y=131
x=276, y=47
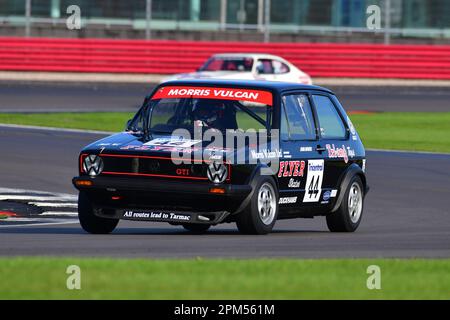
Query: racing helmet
x=208, y=111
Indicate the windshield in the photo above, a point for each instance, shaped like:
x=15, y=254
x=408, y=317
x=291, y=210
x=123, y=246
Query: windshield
x=228, y=64
x=192, y=107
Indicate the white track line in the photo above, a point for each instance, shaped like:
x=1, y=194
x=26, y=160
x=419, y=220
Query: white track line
x=59, y=213
x=34, y=198
x=21, y=191
x=18, y=126
x=54, y=204
x=40, y=224
x=408, y=151
x=109, y=132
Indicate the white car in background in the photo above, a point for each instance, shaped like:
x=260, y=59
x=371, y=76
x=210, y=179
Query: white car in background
x=246, y=66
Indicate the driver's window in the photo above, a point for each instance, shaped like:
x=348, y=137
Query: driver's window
x=297, y=121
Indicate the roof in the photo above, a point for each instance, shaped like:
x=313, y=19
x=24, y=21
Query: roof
x=255, y=84
x=248, y=55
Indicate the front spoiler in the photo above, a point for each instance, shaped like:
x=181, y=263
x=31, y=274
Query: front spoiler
x=153, y=198
x=170, y=216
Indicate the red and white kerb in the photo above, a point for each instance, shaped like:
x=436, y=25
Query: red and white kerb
x=249, y=95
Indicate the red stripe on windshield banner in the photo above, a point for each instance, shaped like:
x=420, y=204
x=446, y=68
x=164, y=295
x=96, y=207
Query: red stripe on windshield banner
x=259, y=96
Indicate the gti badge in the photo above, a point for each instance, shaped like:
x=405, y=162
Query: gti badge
x=217, y=172
x=93, y=165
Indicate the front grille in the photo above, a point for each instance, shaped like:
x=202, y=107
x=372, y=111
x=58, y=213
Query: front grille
x=134, y=165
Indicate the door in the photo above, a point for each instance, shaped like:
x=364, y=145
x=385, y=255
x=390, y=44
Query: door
x=301, y=169
x=333, y=144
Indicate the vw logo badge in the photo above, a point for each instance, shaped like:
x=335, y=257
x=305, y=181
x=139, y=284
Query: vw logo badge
x=93, y=165
x=217, y=172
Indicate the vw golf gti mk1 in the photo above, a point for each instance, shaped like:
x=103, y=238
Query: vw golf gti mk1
x=203, y=152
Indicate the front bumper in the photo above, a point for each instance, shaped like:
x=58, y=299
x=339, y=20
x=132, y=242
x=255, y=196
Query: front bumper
x=143, y=195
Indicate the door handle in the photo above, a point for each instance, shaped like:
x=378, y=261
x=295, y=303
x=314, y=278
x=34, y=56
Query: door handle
x=320, y=149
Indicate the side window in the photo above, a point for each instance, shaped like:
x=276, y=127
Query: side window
x=264, y=66
x=297, y=122
x=331, y=125
x=279, y=67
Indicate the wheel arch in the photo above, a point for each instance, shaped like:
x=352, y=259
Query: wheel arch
x=347, y=176
x=252, y=181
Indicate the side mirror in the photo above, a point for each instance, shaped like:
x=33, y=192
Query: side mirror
x=128, y=124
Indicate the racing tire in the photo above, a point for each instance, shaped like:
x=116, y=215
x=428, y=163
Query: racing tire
x=89, y=221
x=261, y=213
x=348, y=216
x=196, y=227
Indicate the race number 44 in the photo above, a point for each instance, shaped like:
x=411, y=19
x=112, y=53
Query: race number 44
x=314, y=180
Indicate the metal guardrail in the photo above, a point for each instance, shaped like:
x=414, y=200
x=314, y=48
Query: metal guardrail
x=140, y=24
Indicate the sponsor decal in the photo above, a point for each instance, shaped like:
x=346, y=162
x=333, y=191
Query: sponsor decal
x=305, y=149
x=334, y=152
x=363, y=167
x=293, y=183
x=291, y=168
x=287, y=154
x=287, y=200
x=158, y=215
x=351, y=152
x=314, y=180
x=327, y=195
x=172, y=142
x=160, y=148
x=266, y=154
x=215, y=157
x=104, y=144
x=258, y=96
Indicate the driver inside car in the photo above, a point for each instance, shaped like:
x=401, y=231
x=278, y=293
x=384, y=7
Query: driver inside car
x=213, y=114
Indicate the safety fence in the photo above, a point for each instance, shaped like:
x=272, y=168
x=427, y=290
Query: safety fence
x=166, y=57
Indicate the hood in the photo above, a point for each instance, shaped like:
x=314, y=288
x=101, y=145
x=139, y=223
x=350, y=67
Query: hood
x=166, y=146
x=158, y=145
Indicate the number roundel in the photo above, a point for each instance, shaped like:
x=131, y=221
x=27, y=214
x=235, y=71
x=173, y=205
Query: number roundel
x=314, y=180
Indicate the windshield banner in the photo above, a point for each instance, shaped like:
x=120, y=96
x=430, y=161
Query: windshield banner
x=259, y=96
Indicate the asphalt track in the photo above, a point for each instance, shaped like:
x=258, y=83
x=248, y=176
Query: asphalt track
x=90, y=97
x=406, y=215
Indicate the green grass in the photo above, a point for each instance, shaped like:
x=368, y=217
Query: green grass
x=103, y=121
x=405, y=131
x=390, y=130
x=45, y=278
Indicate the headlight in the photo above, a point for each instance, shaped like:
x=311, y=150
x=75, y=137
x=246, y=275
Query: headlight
x=93, y=165
x=217, y=172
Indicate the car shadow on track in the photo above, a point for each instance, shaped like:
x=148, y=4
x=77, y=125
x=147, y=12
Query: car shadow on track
x=145, y=231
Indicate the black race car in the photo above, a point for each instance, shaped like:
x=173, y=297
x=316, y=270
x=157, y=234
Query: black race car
x=203, y=152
